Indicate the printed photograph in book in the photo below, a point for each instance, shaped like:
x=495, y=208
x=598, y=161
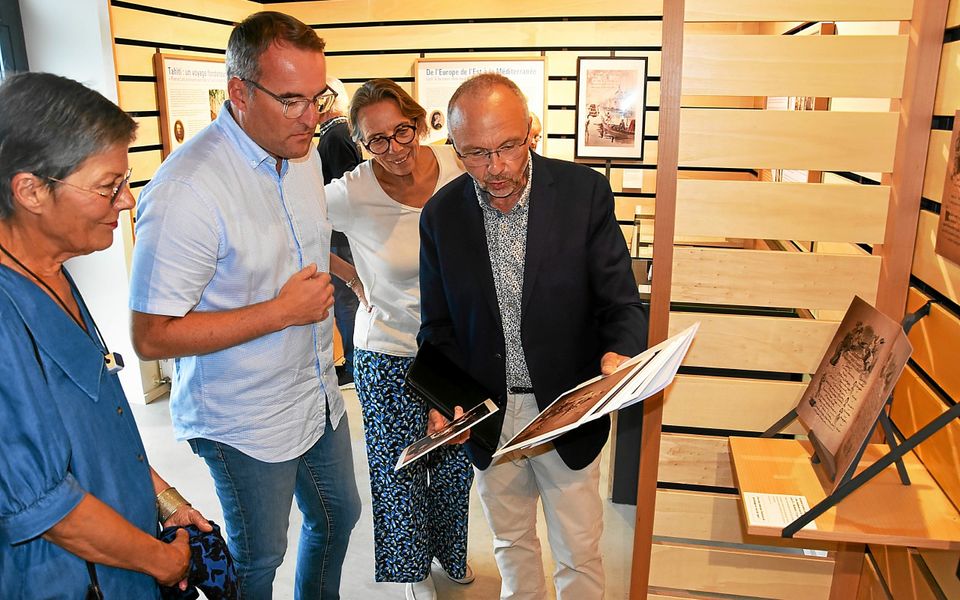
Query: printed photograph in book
x=851, y=385
x=424, y=445
x=636, y=379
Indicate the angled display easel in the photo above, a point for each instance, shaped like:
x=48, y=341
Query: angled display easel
x=902, y=506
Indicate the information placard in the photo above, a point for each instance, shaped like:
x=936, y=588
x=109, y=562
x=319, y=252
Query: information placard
x=437, y=79
x=191, y=92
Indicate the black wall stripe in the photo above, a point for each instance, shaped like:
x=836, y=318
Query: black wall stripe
x=691, y=487
x=143, y=113
x=493, y=49
x=942, y=123
x=930, y=206
x=164, y=45
x=721, y=432
x=146, y=148
x=948, y=304
x=854, y=177
x=741, y=373
x=951, y=35
x=170, y=13
x=138, y=78
x=926, y=378
x=487, y=20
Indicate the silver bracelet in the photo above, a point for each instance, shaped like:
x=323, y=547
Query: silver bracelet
x=350, y=284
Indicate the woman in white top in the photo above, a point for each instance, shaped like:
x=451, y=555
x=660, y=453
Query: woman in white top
x=420, y=512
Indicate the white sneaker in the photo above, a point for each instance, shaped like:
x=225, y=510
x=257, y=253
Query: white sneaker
x=422, y=590
x=468, y=576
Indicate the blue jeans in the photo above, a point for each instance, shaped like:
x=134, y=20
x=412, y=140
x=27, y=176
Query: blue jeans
x=256, y=497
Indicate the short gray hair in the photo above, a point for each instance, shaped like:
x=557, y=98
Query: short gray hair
x=484, y=82
x=49, y=125
x=251, y=38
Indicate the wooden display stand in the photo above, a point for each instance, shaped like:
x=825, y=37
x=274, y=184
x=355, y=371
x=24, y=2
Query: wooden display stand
x=881, y=511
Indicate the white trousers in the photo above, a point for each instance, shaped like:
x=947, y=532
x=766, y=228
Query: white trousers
x=509, y=489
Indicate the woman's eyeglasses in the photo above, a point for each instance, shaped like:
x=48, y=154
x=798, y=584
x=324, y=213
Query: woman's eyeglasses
x=380, y=144
x=112, y=196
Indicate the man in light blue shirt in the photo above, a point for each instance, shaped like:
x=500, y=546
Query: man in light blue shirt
x=230, y=278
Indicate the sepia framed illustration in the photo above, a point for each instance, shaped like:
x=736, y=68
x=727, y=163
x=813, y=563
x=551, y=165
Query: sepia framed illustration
x=191, y=91
x=611, y=100
x=436, y=80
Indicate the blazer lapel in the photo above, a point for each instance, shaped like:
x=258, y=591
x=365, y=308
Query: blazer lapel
x=478, y=252
x=540, y=219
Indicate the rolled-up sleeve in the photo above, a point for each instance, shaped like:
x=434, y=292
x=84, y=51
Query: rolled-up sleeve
x=36, y=488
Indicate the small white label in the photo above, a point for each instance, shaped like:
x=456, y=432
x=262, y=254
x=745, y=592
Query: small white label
x=775, y=510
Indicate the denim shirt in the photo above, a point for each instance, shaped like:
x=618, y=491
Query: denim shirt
x=218, y=229
x=67, y=431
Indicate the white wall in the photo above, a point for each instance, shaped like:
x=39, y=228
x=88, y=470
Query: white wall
x=72, y=38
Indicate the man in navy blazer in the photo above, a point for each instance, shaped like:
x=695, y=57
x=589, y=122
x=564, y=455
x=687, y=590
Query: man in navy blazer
x=526, y=282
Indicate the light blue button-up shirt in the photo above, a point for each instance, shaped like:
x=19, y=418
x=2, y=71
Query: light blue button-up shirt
x=217, y=229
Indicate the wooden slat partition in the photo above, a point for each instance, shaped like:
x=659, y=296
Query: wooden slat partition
x=713, y=517
x=935, y=343
x=765, y=210
x=755, y=343
x=696, y=460
x=936, y=171
x=902, y=575
x=915, y=404
x=386, y=11
x=929, y=266
x=775, y=65
x=798, y=10
x=871, y=586
x=769, y=278
x=942, y=565
x=741, y=572
x=492, y=35
x=169, y=29
x=814, y=140
x=730, y=403
x=864, y=138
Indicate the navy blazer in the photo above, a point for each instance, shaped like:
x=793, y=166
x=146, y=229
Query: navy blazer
x=579, y=296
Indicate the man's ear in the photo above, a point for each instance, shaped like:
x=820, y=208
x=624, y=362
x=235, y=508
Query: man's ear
x=239, y=93
x=29, y=192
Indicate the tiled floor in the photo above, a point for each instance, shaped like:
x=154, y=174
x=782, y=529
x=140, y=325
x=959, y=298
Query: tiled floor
x=181, y=468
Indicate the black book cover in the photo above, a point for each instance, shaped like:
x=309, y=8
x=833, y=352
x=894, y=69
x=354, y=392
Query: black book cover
x=445, y=386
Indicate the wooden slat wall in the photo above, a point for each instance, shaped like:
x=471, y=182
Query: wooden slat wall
x=142, y=28
x=381, y=38
x=931, y=382
x=757, y=340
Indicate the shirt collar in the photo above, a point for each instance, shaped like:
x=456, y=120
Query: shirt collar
x=484, y=198
x=77, y=355
x=252, y=153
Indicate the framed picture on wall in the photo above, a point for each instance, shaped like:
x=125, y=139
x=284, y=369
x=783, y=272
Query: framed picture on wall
x=191, y=91
x=611, y=100
x=437, y=79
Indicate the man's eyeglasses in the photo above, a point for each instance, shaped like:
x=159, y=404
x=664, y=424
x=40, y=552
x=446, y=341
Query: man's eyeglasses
x=112, y=196
x=380, y=144
x=508, y=151
x=293, y=108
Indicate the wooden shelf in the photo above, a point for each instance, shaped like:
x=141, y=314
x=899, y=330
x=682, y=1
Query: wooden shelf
x=882, y=511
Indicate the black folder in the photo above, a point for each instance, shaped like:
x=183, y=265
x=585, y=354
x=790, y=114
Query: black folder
x=445, y=386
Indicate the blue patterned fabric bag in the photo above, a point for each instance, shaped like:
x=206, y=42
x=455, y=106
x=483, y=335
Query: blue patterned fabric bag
x=211, y=566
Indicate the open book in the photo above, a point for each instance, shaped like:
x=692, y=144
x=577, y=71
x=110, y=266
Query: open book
x=635, y=380
x=851, y=385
